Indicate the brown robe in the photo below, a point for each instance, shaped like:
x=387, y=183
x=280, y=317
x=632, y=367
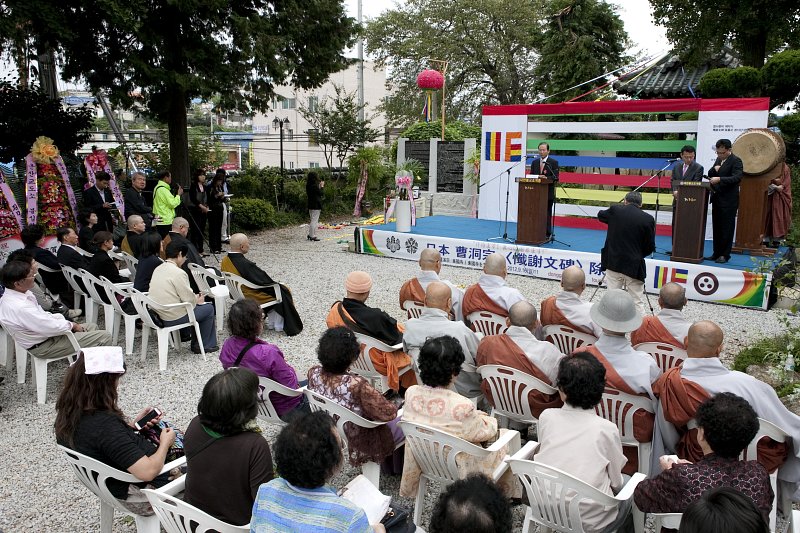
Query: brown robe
x=680, y=399
x=652, y=330
x=475, y=299
x=551, y=315
x=386, y=363
x=643, y=421
x=779, y=211
x=501, y=350
x=412, y=290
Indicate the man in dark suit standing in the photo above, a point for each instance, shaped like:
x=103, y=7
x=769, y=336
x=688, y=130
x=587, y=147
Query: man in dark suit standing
x=724, y=175
x=547, y=167
x=99, y=199
x=687, y=169
x=134, y=200
x=630, y=238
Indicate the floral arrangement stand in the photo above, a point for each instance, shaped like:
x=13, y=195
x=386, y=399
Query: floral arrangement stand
x=10, y=212
x=95, y=162
x=46, y=187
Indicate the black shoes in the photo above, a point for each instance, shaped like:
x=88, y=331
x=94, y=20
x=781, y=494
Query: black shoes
x=310, y=238
x=721, y=260
x=710, y=258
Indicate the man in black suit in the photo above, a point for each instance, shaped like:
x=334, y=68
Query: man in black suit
x=724, y=175
x=547, y=167
x=99, y=199
x=67, y=253
x=630, y=238
x=135, y=203
x=687, y=169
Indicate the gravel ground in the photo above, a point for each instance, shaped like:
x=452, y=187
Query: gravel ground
x=39, y=493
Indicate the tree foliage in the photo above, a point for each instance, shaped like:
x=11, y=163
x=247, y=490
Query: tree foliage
x=755, y=28
x=493, y=50
x=204, y=153
x=337, y=128
x=582, y=39
x=162, y=53
x=26, y=113
x=453, y=131
x=781, y=76
x=741, y=82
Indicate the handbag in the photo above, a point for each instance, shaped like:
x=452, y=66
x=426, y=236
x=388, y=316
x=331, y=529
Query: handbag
x=398, y=520
x=153, y=434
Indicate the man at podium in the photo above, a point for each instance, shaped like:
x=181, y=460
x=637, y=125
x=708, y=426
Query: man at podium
x=686, y=169
x=547, y=167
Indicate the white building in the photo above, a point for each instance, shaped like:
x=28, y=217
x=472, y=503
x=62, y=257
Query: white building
x=299, y=148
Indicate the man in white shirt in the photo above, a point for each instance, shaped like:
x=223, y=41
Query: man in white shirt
x=491, y=293
x=669, y=326
x=434, y=322
x=566, y=308
x=43, y=334
x=430, y=265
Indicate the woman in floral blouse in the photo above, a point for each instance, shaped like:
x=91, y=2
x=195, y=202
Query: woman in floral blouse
x=338, y=349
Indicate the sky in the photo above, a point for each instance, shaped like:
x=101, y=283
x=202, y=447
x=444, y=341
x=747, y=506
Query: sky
x=636, y=14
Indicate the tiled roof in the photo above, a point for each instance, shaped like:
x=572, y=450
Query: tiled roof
x=669, y=78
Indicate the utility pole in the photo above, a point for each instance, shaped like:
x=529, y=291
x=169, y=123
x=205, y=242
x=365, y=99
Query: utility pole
x=360, y=70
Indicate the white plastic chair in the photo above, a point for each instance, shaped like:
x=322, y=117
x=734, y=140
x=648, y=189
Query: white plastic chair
x=567, y=340
x=266, y=411
x=236, y=283
x=143, y=304
x=96, y=292
x=413, y=309
x=130, y=262
x=93, y=474
x=83, y=252
x=39, y=365
x=73, y=276
x=666, y=355
x=436, y=451
x=619, y=408
x=112, y=291
x=768, y=429
x=555, y=496
x=6, y=348
x=667, y=521
x=177, y=516
x=342, y=415
x=364, y=367
x=510, y=389
x=487, y=323
x=219, y=291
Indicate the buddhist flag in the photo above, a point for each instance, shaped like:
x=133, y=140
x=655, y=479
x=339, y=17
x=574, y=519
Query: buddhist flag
x=663, y=276
x=513, y=146
x=493, y=144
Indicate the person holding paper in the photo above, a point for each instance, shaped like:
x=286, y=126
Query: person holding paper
x=725, y=176
x=546, y=167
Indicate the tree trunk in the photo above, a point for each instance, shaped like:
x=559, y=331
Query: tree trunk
x=178, y=137
x=754, y=48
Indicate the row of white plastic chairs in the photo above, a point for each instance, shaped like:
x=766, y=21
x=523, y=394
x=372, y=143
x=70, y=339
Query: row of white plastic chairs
x=100, y=293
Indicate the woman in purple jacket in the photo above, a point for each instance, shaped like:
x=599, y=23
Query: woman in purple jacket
x=245, y=349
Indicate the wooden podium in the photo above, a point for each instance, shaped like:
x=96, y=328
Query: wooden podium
x=689, y=231
x=532, y=210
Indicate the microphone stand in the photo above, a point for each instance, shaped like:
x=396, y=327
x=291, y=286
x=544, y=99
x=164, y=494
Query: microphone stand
x=508, y=192
x=658, y=191
x=552, y=208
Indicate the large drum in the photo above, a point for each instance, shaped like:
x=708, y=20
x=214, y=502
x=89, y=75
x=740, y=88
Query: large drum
x=760, y=149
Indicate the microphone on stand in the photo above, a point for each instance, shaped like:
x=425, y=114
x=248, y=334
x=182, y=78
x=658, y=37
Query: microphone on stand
x=673, y=160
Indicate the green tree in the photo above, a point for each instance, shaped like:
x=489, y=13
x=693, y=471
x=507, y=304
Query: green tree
x=336, y=126
x=781, y=75
x=742, y=82
x=755, y=28
x=165, y=52
x=26, y=113
x=204, y=152
x=582, y=40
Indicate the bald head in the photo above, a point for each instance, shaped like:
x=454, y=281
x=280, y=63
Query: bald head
x=523, y=314
x=430, y=259
x=672, y=296
x=133, y=220
x=438, y=296
x=238, y=241
x=178, y=223
x=704, y=339
x=573, y=279
x=495, y=265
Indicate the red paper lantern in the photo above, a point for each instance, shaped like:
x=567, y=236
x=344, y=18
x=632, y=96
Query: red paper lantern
x=430, y=79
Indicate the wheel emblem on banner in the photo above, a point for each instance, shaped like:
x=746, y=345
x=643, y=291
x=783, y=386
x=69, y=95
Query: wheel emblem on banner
x=706, y=283
x=411, y=245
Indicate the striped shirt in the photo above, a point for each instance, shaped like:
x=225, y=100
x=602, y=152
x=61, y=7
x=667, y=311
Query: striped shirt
x=282, y=507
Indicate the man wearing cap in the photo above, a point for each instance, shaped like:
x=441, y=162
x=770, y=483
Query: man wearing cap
x=627, y=370
x=435, y=322
x=282, y=316
x=669, y=326
x=682, y=389
x=631, y=237
x=566, y=308
x=43, y=334
x=491, y=293
x=519, y=348
x=353, y=313
x=430, y=265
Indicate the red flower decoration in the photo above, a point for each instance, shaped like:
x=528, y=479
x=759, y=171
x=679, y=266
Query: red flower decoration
x=430, y=79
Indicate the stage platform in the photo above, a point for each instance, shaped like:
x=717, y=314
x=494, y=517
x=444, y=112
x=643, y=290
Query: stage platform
x=465, y=242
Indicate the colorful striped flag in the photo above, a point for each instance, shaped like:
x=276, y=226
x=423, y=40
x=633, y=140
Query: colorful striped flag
x=493, y=144
x=679, y=275
x=513, y=146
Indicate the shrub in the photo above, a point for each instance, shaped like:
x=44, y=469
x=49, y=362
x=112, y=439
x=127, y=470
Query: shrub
x=295, y=197
x=781, y=75
x=252, y=213
x=738, y=82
